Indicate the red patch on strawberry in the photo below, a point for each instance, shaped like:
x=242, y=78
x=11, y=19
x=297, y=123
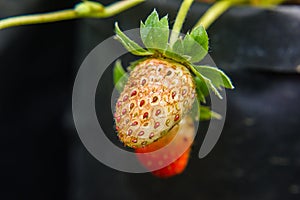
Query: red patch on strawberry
x=169, y=155
x=176, y=167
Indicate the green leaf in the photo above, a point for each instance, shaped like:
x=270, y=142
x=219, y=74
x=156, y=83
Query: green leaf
x=206, y=81
x=207, y=114
x=155, y=32
x=201, y=89
x=193, y=49
x=178, y=47
x=199, y=34
x=218, y=78
x=176, y=53
x=130, y=45
x=119, y=75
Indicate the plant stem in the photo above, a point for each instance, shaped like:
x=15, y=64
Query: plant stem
x=38, y=18
x=184, y=8
x=215, y=11
x=118, y=7
x=87, y=9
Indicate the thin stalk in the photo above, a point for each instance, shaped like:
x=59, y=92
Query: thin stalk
x=38, y=18
x=184, y=8
x=87, y=9
x=213, y=13
x=119, y=7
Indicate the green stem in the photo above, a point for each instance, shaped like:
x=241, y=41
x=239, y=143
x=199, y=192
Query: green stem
x=119, y=7
x=216, y=11
x=81, y=10
x=213, y=13
x=38, y=18
x=184, y=8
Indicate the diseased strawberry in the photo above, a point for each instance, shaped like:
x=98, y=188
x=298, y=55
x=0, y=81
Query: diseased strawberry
x=152, y=111
x=157, y=95
x=169, y=155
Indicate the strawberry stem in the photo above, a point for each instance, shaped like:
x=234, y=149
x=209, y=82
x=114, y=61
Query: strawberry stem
x=84, y=9
x=184, y=8
x=215, y=11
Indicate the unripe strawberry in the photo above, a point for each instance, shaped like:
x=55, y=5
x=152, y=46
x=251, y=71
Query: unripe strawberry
x=157, y=95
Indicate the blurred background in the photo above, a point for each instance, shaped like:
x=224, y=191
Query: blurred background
x=257, y=156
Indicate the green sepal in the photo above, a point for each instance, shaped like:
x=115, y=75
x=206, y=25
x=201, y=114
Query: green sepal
x=206, y=113
x=193, y=47
x=155, y=32
x=201, y=89
x=205, y=81
x=218, y=78
x=130, y=45
x=120, y=76
x=192, y=50
x=199, y=34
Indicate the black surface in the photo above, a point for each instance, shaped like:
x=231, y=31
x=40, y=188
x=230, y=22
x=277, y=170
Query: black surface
x=257, y=156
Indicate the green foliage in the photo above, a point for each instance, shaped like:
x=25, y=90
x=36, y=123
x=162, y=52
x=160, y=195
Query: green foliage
x=201, y=89
x=119, y=75
x=130, y=45
x=218, y=78
x=190, y=49
x=155, y=35
x=207, y=114
x=155, y=32
x=193, y=47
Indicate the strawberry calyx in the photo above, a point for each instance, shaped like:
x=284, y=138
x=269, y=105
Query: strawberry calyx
x=186, y=50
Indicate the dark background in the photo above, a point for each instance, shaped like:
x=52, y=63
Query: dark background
x=257, y=156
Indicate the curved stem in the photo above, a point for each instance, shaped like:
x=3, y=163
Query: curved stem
x=185, y=6
x=213, y=13
x=119, y=7
x=81, y=10
x=38, y=18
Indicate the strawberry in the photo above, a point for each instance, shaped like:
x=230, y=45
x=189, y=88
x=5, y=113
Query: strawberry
x=157, y=95
x=173, y=158
x=152, y=112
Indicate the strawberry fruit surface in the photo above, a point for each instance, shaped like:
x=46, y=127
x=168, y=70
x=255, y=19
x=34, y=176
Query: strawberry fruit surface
x=157, y=96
